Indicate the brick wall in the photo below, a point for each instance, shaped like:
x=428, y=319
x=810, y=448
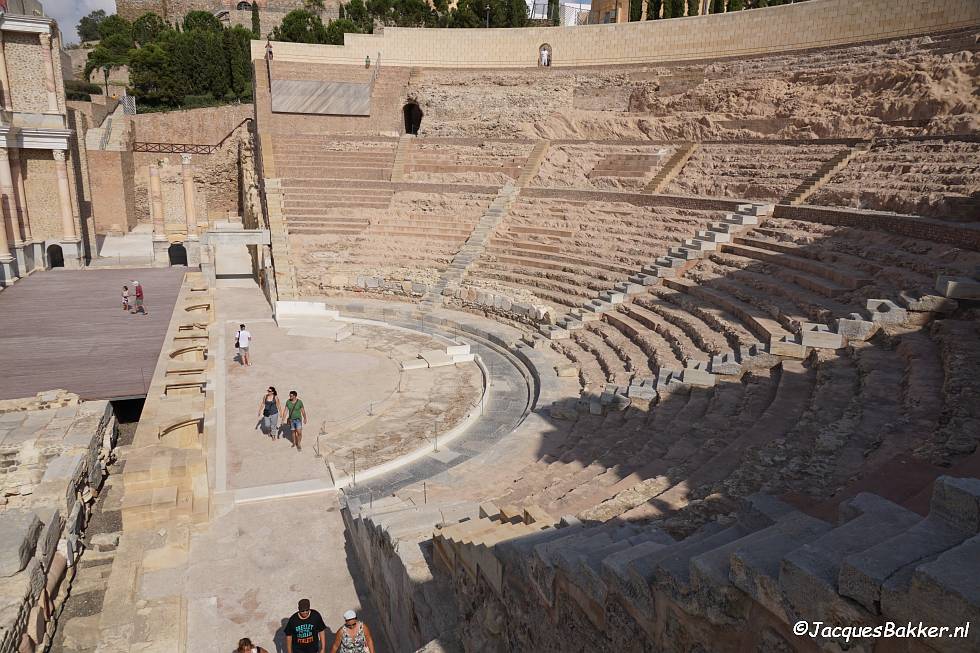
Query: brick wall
x=816, y=23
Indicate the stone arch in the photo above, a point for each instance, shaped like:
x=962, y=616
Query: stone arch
x=56, y=256
x=178, y=254
x=244, y=6
x=412, y=113
x=544, y=54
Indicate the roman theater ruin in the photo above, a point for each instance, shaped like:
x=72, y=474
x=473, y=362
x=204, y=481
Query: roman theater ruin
x=670, y=344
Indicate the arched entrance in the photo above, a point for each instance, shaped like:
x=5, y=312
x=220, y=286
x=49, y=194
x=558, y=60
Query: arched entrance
x=178, y=254
x=413, y=118
x=544, y=55
x=56, y=257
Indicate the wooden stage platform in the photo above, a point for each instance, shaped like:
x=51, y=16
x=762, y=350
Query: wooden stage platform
x=66, y=329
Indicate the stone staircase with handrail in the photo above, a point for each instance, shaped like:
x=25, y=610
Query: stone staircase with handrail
x=671, y=168
x=824, y=173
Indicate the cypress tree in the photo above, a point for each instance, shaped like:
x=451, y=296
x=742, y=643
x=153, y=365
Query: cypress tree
x=718, y=6
x=256, y=25
x=636, y=10
x=693, y=7
x=736, y=5
x=653, y=9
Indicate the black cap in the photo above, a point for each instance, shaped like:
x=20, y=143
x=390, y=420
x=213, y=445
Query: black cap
x=304, y=605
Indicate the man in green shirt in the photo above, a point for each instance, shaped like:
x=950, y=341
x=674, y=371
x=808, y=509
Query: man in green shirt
x=296, y=414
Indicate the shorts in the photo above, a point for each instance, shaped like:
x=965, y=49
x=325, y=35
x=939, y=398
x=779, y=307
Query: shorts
x=139, y=302
x=296, y=424
x=244, y=350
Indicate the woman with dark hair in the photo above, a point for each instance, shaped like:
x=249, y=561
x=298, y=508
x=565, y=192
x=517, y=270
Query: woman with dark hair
x=269, y=409
x=245, y=646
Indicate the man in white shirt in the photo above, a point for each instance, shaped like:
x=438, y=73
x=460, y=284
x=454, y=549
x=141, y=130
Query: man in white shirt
x=242, y=340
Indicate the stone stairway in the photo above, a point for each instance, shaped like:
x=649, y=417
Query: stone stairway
x=824, y=173
x=670, y=170
x=473, y=247
x=534, y=160
x=402, y=154
x=879, y=561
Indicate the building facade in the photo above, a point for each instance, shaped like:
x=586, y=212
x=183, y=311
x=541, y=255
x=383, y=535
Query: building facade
x=38, y=153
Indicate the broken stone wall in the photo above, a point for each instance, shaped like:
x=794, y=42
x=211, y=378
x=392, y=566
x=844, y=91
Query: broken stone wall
x=53, y=469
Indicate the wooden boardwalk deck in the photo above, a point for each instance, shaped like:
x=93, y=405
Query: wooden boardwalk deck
x=66, y=329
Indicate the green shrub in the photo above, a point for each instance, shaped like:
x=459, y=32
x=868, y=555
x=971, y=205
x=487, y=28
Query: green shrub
x=77, y=96
x=198, y=101
x=78, y=86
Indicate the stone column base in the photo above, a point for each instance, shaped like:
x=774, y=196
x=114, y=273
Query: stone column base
x=193, y=248
x=72, y=251
x=20, y=257
x=8, y=272
x=35, y=256
x=161, y=253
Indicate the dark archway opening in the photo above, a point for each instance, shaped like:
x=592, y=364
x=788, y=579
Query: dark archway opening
x=178, y=254
x=413, y=118
x=244, y=6
x=56, y=257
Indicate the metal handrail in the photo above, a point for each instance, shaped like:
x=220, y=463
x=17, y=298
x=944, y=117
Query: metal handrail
x=106, y=132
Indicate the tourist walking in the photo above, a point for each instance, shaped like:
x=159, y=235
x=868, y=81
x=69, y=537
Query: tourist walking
x=353, y=637
x=296, y=414
x=125, y=298
x=269, y=410
x=245, y=645
x=140, y=299
x=242, y=341
x=305, y=631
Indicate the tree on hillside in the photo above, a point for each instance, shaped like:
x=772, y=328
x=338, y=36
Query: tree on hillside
x=693, y=7
x=337, y=28
x=467, y=13
x=736, y=5
x=237, y=49
x=147, y=28
x=116, y=26
x=718, y=6
x=256, y=23
x=653, y=9
x=88, y=26
x=676, y=8
x=201, y=20
x=357, y=11
x=300, y=26
x=517, y=13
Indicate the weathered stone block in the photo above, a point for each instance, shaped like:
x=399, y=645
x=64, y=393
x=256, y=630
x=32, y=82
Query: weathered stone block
x=725, y=363
x=885, y=311
x=855, y=328
x=819, y=335
x=787, y=346
x=956, y=501
x=915, y=300
x=958, y=287
x=19, y=532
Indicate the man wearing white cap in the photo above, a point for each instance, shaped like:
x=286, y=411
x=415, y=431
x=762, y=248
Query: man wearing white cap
x=353, y=637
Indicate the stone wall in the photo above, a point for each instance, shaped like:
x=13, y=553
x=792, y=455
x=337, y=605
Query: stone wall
x=24, y=60
x=217, y=181
x=47, y=503
x=41, y=183
x=112, y=175
x=198, y=126
x=817, y=23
